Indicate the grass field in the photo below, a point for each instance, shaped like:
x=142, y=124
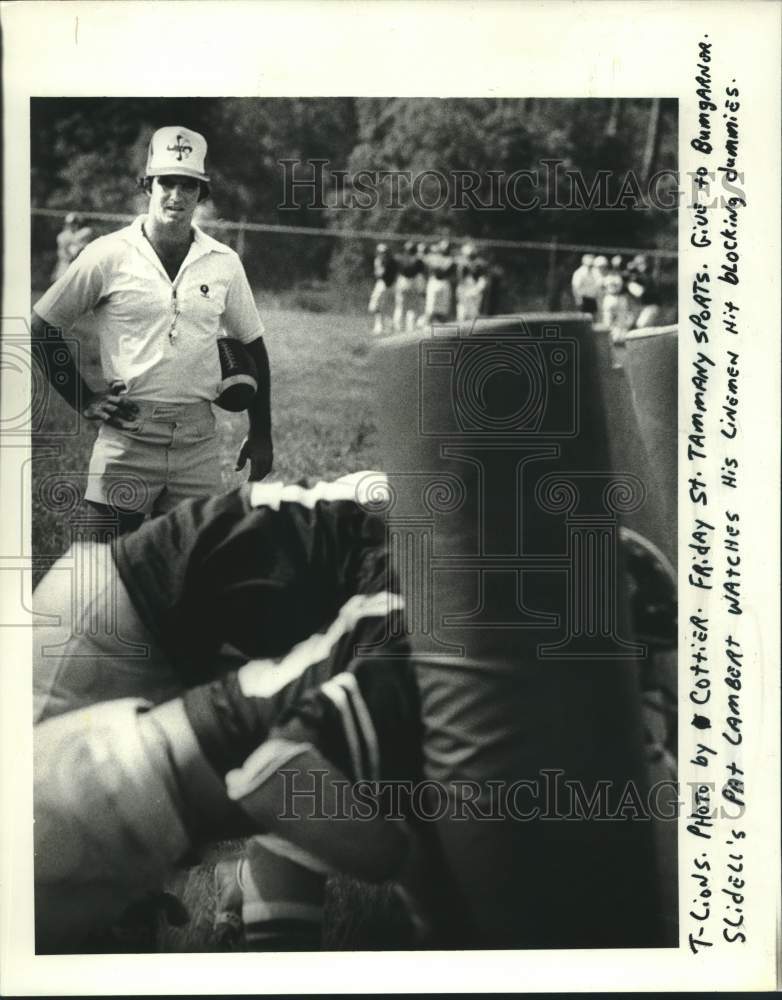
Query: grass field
x=324, y=425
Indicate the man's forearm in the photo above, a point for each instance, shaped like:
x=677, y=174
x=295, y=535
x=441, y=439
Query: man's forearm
x=53, y=354
x=260, y=412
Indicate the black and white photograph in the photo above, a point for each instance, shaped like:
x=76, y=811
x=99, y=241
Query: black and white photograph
x=432, y=623
x=368, y=447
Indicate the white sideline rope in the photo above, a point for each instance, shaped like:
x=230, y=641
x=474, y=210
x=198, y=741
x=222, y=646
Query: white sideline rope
x=373, y=234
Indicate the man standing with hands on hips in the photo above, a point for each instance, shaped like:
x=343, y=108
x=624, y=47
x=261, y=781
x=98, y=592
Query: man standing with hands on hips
x=161, y=290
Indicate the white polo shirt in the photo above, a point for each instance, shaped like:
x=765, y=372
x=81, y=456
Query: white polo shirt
x=158, y=336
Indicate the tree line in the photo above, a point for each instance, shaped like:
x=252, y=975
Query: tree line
x=87, y=153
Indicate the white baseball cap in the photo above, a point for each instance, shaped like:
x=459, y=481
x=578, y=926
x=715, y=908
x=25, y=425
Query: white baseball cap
x=179, y=151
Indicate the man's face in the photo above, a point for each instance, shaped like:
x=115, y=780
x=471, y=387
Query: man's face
x=172, y=201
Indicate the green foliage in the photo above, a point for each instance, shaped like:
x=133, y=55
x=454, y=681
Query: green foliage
x=507, y=135
x=87, y=152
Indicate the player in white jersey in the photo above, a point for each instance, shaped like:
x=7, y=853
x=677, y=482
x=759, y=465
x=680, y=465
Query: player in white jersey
x=72, y=239
x=439, y=306
x=411, y=268
x=381, y=301
x=584, y=285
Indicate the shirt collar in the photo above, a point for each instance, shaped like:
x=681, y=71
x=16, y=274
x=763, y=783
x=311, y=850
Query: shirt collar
x=208, y=242
x=203, y=242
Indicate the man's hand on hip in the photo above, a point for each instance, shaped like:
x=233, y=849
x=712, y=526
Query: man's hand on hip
x=260, y=452
x=111, y=408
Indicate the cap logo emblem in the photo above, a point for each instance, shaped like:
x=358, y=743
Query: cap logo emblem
x=183, y=149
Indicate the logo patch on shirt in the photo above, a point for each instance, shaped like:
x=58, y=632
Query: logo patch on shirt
x=205, y=290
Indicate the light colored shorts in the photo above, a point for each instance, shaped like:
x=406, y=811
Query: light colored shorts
x=170, y=455
x=648, y=316
x=439, y=297
x=381, y=298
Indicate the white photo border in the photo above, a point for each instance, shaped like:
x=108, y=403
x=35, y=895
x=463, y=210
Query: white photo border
x=458, y=49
